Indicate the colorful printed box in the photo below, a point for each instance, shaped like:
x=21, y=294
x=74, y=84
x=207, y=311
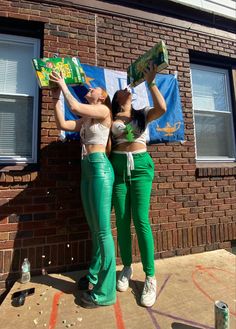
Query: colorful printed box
x=158, y=55
x=69, y=66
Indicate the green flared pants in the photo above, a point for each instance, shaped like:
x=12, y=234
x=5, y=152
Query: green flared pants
x=97, y=179
x=131, y=199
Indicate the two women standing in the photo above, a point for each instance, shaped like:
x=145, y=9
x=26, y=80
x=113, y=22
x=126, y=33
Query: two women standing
x=134, y=172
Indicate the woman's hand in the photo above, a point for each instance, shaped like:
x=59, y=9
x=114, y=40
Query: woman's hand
x=57, y=78
x=150, y=73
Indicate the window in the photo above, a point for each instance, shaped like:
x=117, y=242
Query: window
x=18, y=99
x=214, y=130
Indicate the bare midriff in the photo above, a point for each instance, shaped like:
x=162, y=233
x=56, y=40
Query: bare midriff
x=129, y=147
x=95, y=148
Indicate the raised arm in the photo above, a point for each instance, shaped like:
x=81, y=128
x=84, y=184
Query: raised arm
x=159, y=104
x=67, y=125
x=96, y=111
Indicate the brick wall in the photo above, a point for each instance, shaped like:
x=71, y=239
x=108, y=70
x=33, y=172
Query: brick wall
x=192, y=209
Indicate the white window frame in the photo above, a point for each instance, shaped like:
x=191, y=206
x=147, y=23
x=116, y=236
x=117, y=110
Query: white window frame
x=36, y=52
x=227, y=86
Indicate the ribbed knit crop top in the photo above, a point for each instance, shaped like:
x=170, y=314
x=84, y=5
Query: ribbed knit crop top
x=120, y=131
x=94, y=133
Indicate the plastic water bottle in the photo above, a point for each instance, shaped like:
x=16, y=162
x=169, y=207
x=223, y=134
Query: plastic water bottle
x=25, y=271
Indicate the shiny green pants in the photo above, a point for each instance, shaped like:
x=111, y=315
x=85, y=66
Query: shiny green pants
x=97, y=179
x=131, y=198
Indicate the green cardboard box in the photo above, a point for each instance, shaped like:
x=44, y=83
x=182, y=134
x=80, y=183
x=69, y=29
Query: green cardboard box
x=69, y=66
x=158, y=55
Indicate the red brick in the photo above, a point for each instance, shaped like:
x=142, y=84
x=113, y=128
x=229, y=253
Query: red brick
x=7, y=261
x=8, y=227
x=6, y=245
x=1, y=261
x=167, y=254
x=183, y=251
x=202, y=208
x=195, y=250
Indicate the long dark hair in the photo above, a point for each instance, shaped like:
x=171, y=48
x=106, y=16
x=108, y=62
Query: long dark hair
x=137, y=116
x=107, y=100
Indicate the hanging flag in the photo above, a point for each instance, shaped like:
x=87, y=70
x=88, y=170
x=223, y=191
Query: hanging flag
x=169, y=128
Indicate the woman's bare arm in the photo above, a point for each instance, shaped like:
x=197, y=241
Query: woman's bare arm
x=96, y=111
x=159, y=104
x=67, y=125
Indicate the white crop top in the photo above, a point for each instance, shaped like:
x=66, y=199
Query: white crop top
x=123, y=133
x=94, y=133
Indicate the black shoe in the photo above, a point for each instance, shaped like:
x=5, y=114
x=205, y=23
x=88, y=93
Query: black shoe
x=87, y=301
x=84, y=284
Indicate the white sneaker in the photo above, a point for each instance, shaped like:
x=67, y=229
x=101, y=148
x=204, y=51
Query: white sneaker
x=124, y=277
x=149, y=293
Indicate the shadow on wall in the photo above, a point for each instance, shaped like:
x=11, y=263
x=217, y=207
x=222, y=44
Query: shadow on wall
x=41, y=216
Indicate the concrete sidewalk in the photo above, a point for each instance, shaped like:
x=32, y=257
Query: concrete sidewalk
x=188, y=287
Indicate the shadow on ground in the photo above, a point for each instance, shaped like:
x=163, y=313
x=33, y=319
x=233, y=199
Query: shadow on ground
x=178, y=325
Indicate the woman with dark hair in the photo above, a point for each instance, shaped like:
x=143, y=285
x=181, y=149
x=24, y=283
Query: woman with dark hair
x=97, y=179
x=134, y=172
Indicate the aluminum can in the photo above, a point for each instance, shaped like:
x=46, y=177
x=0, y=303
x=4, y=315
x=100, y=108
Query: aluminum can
x=221, y=315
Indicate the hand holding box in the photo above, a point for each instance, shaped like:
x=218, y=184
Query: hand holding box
x=157, y=55
x=70, y=67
